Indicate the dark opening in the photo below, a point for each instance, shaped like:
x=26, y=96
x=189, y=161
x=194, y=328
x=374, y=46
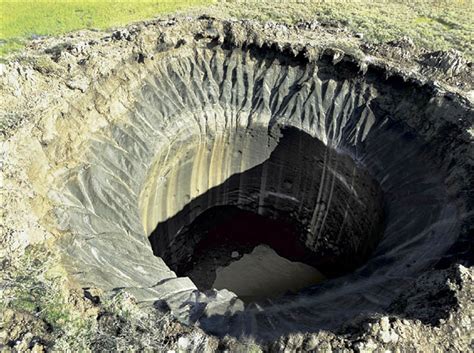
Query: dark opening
x=309, y=203
x=227, y=233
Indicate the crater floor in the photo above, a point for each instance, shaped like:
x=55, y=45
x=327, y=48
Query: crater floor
x=264, y=274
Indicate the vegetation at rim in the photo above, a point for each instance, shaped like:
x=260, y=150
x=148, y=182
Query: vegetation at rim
x=36, y=302
x=22, y=20
x=433, y=24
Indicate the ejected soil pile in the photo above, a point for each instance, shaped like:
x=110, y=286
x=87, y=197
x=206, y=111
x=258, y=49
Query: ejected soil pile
x=369, y=161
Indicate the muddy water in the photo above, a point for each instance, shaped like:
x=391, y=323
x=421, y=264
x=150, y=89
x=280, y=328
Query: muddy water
x=264, y=274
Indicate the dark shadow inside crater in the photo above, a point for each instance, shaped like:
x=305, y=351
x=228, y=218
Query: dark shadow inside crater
x=308, y=202
x=231, y=235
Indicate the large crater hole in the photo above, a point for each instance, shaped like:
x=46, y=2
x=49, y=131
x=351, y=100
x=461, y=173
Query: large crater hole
x=272, y=213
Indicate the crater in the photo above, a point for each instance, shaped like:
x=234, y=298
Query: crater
x=217, y=147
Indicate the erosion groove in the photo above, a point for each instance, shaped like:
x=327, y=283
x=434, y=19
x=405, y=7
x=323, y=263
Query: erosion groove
x=371, y=164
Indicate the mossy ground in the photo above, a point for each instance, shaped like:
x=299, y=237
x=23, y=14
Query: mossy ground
x=38, y=307
x=24, y=20
x=433, y=24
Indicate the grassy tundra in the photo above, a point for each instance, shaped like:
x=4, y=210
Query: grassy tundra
x=27, y=19
x=434, y=24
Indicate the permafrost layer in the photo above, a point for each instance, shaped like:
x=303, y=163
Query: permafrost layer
x=196, y=115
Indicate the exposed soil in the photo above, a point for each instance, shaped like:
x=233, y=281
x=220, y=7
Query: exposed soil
x=51, y=109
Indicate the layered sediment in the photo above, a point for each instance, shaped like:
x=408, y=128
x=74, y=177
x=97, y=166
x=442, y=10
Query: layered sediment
x=372, y=163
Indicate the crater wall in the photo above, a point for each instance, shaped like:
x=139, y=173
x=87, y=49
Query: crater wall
x=195, y=116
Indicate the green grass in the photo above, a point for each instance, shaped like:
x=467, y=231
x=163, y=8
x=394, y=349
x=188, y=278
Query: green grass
x=23, y=20
x=433, y=24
